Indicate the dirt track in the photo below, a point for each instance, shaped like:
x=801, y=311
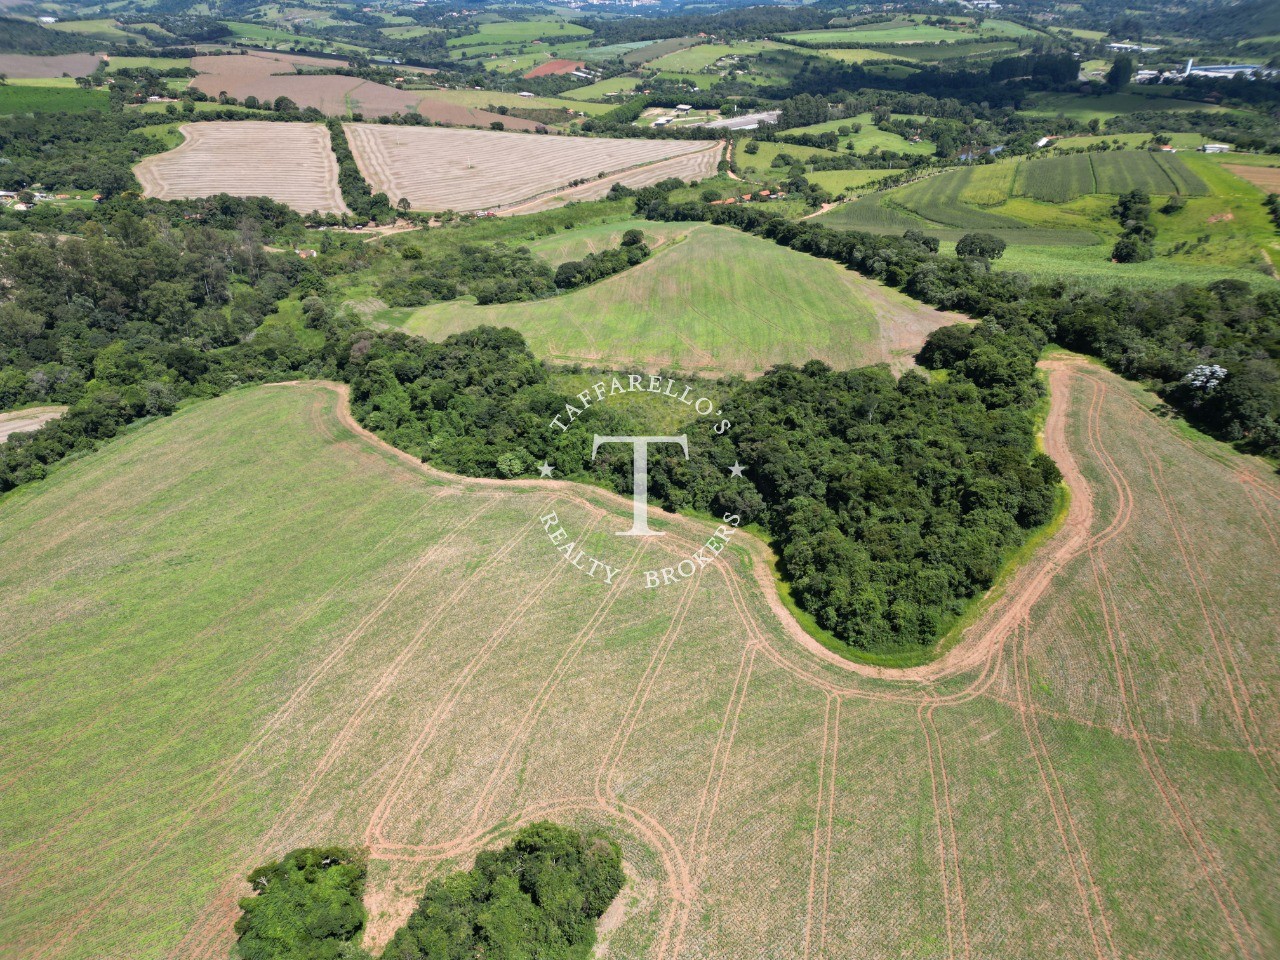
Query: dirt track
x=22, y=421
x=981, y=642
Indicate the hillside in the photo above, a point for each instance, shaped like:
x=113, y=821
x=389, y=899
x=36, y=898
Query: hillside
x=717, y=301
x=244, y=628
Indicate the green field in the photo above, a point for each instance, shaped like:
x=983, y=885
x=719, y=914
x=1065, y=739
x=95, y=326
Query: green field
x=870, y=137
x=718, y=301
x=1060, y=179
x=244, y=629
x=1108, y=105
x=617, y=86
x=904, y=31
x=519, y=31
x=101, y=29
x=154, y=63
x=16, y=98
x=498, y=98
x=1056, y=212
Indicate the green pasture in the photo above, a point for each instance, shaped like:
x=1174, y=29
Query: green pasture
x=519, y=31
x=19, y=98
x=716, y=301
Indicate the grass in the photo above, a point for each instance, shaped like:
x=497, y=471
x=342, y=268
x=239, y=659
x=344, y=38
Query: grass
x=719, y=301
x=519, y=31
x=603, y=88
x=16, y=98
x=154, y=63
x=1091, y=266
x=202, y=106
x=101, y=29
x=498, y=98
x=870, y=137
x=169, y=134
x=1085, y=108
x=433, y=672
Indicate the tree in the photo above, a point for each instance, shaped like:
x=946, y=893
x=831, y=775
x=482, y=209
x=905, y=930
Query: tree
x=1131, y=249
x=285, y=105
x=985, y=245
x=403, y=204
x=1121, y=72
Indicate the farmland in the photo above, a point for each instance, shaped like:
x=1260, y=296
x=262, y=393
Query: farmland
x=725, y=303
x=436, y=676
x=291, y=163
x=1060, y=179
x=19, y=98
x=1043, y=206
x=267, y=76
x=908, y=30
x=439, y=169
x=18, y=66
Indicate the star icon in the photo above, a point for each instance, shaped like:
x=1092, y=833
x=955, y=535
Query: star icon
x=545, y=469
x=736, y=469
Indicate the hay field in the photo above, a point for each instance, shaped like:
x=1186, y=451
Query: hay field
x=716, y=301
x=247, y=628
x=291, y=163
x=439, y=169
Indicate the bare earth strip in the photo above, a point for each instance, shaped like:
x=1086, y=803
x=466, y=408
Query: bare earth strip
x=22, y=421
x=1085, y=777
x=1266, y=178
x=439, y=169
x=291, y=163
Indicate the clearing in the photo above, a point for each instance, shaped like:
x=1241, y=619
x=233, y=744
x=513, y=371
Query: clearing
x=710, y=300
x=291, y=163
x=439, y=169
x=23, y=421
x=248, y=627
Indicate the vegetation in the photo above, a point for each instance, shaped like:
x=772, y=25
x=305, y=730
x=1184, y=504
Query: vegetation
x=539, y=896
x=305, y=907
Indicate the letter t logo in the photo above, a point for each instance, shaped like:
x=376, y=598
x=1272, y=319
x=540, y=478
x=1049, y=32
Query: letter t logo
x=640, y=478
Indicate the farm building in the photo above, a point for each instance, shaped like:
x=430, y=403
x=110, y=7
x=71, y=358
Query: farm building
x=1216, y=148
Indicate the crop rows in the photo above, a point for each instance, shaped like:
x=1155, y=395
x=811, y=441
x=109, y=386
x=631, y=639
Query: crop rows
x=436, y=676
x=938, y=199
x=1061, y=179
x=441, y=169
x=292, y=163
x=1056, y=179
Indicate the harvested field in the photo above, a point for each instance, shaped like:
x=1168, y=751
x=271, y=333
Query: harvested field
x=440, y=169
x=291, y=163
x=22, y=421
x=267, y=75
x=1092, y=771
x=20, y=66
x=1265, y=178
x=554, y=67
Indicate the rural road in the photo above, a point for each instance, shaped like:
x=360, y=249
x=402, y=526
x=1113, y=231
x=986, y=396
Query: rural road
x=1009, y=602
